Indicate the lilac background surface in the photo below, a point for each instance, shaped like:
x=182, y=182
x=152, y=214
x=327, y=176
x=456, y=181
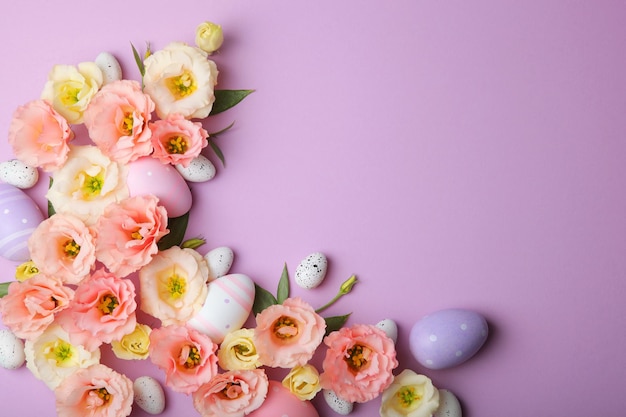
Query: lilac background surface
x=450, y=153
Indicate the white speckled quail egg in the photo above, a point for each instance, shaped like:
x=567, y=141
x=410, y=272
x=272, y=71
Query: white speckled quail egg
x=311, y=271
x=18, y=174
x=338, y=405
x=110, y=67
x=11, y=350
x=200, y=169
x=390, y=328
x=149, y=395
x=220, y=260
x=449, y=405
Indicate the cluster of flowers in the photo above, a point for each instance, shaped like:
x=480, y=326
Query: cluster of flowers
x=75, y=294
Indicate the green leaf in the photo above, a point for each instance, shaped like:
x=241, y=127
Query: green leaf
x=51, y=210
x=335, y=323
x=193, y=243
x=283, y=286
x=262, y=299
x=4, y=288
x=177, y=227
x=225, y=99
x=219, y=132
x=218, y=152
x=138, y=60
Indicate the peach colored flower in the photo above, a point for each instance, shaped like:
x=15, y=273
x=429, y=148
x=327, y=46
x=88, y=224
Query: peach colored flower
x=51, y=357
x=127, y=233
x=173, y=285
x=62, y=247
x=39, y=135
x=87, y=183
x=359, y=362
x=177, y=140
x=103, y=310
x=96, y=391
x=303, y=382
x=29, y=307
x=287, y=334
x=117, y=120
x=186, y=355
x=237, y=351
x=410, y=395
x=232, y=394
x=180, y=79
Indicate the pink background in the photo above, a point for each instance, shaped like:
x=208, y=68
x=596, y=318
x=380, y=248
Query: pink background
x=450, y=153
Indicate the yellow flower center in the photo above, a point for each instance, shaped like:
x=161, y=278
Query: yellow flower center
x=408, y=397
x=358, y=357
x=190, y=356
x=60, y=352
x=68, y=93
x=231, y=391
x=127, y=124
x=108, y=303
x=285, y=328
x=136, y=235
x=182, y=85
x=71, y=248
x=92, y=185
x=176, y=286
x=103, y=394
x=176, y=145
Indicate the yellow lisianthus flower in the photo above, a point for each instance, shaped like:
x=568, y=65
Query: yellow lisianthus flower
x=26, y=270
x=303, y=382
x=133, y=345
x=209, y=37
x=237, y=351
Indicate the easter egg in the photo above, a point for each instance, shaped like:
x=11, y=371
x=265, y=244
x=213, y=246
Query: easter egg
x=219, y=260
x=390, y=328
x=311, y=271
x=447, y=338
x=200, y=169
x=18, y=174
x=280, y=402
x=449, y=405
x=19, y=216
x=11, y=350
x=337, y=404
x=110, y=67
x=148, y=175
x=227, y=306
x=149, y=395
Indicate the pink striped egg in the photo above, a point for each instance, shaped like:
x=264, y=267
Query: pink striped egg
x=227, y=306
x=19, y=216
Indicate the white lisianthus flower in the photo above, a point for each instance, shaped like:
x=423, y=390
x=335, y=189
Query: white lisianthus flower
x=209, y=37
x=180, y=79
x=87, y=183
x=409, y=395
x=51, y=357
x=69, y=89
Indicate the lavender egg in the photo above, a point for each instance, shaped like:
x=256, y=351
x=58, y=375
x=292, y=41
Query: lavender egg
x=447, y=338
x=19, y=216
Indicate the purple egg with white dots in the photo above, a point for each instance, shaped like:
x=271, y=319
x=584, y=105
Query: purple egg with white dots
x=226, y=308
x=19, y=216
x=447, y=338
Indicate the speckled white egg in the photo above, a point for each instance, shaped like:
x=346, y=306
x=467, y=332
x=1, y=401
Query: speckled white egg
x=200, y=169
x=19, y=216
x=449, y=405
x=18, y=174
x=390, y=328
x=11, y=350
x=148, y=175
x=227, y=306
x=219, y=260
x=110, y=67
x=149, y=395
x=337, y=404
x=312, y=270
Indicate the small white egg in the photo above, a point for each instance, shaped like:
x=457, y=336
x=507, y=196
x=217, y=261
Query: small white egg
x=11, y=350
x=200, y=169
x=337, y=404
x=311, y=271
x=149, y=395
x=110, y=67
x=390, y=328
x=18, y=174
x=449, y=405
x=220, y=260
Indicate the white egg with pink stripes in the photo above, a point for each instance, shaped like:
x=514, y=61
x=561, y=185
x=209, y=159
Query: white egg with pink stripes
x=227, y=306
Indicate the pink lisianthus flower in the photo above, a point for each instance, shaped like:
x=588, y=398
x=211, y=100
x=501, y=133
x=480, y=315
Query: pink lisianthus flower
x=62, y=246
x=117, y=120
x=359, y=362
x=39, y=135
x=232, y=394
x=185, y=355
x=177, y=140
x=103, y=310
x=96, y=391
x=287, y=334
x=127, y=233
x=29, y=307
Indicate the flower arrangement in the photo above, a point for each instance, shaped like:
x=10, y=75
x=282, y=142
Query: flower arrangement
x=77, y=290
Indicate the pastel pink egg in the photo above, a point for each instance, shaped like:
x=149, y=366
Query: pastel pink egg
x=19, y=216
x=148, y=175
x=280, y=402
x=227, y=306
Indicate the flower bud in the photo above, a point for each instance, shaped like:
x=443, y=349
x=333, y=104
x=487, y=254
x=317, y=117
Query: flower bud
x=346, y=287
x=209, y=37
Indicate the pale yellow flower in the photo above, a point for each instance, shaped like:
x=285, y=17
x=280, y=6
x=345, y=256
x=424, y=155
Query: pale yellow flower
x=303, y=382
x=237, y=351
x=51, y=357
x=410, y=395
x=180, y=79
x=26, y=270
x=69, y=89
x=209, y=37
x=133, y=345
